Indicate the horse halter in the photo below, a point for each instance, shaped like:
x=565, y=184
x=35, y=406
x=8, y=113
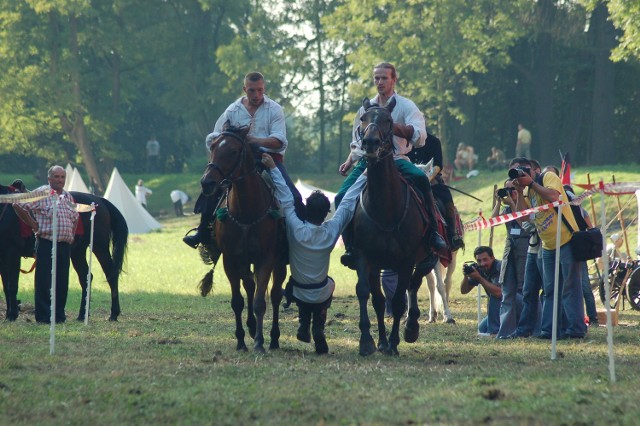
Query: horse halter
x=228, y=178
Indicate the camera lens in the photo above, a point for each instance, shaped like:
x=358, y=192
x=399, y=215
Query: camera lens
x=514, y=173
x=503, y=192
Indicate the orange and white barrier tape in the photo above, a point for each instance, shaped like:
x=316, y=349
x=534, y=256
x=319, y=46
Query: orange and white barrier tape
x=622, y=188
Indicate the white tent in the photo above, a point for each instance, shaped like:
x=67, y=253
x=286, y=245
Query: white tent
x=75, y=182
x=69, y=171
x=138, y=219
x=306, y=190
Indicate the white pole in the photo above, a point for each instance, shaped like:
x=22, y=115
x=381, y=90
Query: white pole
x=607, y=287
x=54, y=268
x=554, y=331
x=479, y=294
x=86, y=311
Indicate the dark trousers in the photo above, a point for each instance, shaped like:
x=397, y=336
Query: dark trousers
x=315, y=311
x=177, y=207
x=43, y=280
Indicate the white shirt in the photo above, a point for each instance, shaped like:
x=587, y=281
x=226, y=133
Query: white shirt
x=267, y=122
x=310, y=245
x=405, y=112
x=177, y=195
x=141, y=194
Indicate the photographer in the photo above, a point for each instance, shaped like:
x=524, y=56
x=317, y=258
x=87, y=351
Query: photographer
x=535, y=190
x=485, y=272
x=513, y=262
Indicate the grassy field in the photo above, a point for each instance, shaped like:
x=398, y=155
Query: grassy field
x=171, y=358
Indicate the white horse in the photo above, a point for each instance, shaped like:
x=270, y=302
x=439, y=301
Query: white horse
x=439, y=302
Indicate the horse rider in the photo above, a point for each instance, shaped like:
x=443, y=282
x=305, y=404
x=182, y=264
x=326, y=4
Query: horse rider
x=267, y=132
x=408, y=132
x=432, y=149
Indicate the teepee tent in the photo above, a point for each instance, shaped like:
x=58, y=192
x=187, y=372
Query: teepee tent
x=69, y=171
x=138, y=219
x=76, y=183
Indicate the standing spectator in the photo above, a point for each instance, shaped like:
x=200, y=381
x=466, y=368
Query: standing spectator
x=38, y=215
x=513, y=263
x=543, y=189
x=523, y=144
x=310, y=245
x=142, y=192
x=179, y=199
x=153, y=155
x=486, y=273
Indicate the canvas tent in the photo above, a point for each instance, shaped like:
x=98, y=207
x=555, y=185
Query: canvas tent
x=75, y=182
x=69, y=171
x=138, y=219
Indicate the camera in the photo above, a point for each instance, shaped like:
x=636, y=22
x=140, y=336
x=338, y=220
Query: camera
x=517, y=172
x=503, y=192
x=469, y=267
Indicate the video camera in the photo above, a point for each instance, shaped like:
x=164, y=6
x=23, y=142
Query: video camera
x=517, y=172
x=469, y=267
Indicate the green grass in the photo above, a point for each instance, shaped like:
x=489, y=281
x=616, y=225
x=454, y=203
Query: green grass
x=171, y=358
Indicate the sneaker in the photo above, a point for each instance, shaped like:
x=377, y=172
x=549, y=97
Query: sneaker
x=303, y=334
x=320, y=342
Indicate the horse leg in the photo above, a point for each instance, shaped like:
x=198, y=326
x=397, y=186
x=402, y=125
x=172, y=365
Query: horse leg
x=444, y=299
x=10, y=276
x=263, y=274
x=249, y=286
x=412, y=327
x=237, y=304
x=79, y=261
x=433, y=312
x=399, y=307
x=279, y=275
x=111, y=272
x=367, y=345
x=378, y=302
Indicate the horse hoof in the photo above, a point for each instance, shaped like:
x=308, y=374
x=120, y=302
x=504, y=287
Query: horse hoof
x=411, y=334
x=274, y=346
x=367, y=348
x=259, y=349
x=450, y=321
x=241, y=347
x=392, y=351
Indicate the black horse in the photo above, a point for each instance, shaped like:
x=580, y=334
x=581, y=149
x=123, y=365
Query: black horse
x=388, y=224
x=109, y=246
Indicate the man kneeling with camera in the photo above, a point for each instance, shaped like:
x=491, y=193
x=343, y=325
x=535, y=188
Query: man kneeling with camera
x=485, y=271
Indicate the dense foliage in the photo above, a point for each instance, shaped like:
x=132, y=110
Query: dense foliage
x=89, y=82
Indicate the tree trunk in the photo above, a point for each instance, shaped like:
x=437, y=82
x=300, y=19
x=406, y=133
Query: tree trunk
x=75, y=127
x=543, y=81
x=602, y=149
x=321, y=90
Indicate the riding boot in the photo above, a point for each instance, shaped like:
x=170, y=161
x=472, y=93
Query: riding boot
x=348, y=258
x=207, y=206
x=319, y=320
x=436, y=242
x=304, y=319
x=450, y=218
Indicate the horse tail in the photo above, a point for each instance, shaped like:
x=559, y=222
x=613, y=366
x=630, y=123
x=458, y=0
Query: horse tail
x=206, y=284
x=119, y=236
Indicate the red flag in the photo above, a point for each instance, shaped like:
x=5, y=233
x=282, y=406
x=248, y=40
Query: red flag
x=565, y=170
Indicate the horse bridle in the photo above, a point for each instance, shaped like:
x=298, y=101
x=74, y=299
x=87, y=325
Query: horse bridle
x=384, y=137
x=228, y=179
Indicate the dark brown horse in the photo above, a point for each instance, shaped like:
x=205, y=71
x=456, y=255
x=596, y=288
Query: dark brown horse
x=248, y=232
x=389, y=224
x=109, y=246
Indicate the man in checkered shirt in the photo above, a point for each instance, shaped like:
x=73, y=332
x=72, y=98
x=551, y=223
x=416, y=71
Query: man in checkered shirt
x=39, y=216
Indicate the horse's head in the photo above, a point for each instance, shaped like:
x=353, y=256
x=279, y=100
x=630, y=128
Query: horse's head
x=376, y=128
x=228, y=159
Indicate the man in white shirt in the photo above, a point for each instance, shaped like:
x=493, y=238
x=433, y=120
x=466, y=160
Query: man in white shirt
x=268, y=131
x=408, y=132
x=310, y=246
x=179, y=199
